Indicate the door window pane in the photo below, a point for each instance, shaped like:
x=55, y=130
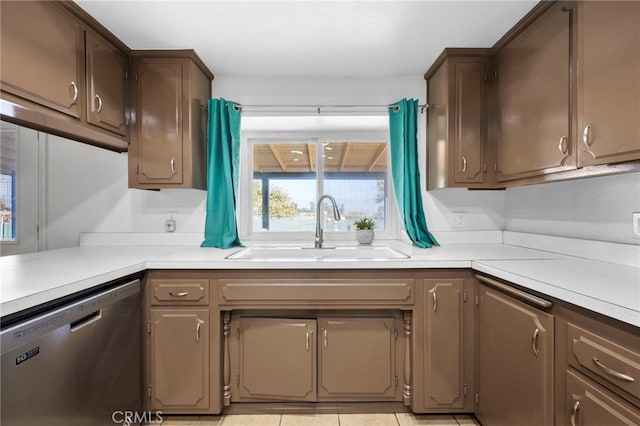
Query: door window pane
x=8, y=169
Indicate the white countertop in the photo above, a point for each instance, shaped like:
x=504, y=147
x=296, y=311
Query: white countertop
x=606, y=288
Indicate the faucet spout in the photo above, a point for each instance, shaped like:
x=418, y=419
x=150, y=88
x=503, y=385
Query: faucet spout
x=319, y=239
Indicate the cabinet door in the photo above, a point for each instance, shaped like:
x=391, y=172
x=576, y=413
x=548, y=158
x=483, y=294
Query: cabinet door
x=533, y=97
x=179, y=359
x=515, y=362
x=588, y=405
x=608, y=82
x=106, y=76
x=443, y=352
x=469, y=120
x=42, y=54
x=356, y=358
x=159, y=125
x=277, y=359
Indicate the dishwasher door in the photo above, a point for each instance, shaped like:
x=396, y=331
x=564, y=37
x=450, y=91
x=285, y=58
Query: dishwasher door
x=76, y=365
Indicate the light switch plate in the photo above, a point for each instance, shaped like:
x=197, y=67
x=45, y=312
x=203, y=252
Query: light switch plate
x=636, y=225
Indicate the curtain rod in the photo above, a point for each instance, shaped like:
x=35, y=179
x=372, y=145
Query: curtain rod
x=318, y=108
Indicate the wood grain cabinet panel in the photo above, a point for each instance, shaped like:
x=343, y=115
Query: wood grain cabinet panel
x=589, y=405
x=515, y=361
x=533, y=98
x=106, y=84
x=608, y=82
x=42, y=55
x=356, y=359
x=617, y=366
x=179, y=359
x=170, y=90
x=444, y=344
x=457, y=118
x=277, y=359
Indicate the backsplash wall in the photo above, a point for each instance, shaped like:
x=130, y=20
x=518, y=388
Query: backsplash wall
x=596, y=208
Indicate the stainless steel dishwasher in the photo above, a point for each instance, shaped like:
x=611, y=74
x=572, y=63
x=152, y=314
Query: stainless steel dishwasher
x=76, y=364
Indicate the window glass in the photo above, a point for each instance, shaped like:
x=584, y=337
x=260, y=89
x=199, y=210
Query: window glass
x=8, y=169
x=288, y=177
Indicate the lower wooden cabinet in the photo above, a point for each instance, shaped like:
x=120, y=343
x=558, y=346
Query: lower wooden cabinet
x=179, y=359
x=274, y=359
x=515, y=361
x=587, y=404
x=277, y=359
x=444, y=370
x=357, y=358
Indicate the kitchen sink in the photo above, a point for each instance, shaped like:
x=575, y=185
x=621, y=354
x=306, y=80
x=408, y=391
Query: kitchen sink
x=306, y=254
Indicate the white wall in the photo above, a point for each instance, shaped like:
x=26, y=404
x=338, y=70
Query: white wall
x=87, y=186
x=597, y=208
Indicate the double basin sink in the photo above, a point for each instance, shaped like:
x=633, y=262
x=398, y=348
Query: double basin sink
x=326, y=254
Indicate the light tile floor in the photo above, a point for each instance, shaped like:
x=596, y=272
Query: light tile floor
x=398, y=419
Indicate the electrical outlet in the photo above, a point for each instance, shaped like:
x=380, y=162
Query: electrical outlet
x=636, y=225
x=458, y=220
x=169, y=225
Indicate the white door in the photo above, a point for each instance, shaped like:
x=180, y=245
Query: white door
x=22, y=155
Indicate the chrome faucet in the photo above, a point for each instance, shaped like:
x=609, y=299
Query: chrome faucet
x=336, y=215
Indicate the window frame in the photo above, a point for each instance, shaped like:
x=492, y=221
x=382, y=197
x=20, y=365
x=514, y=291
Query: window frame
x=245, y=202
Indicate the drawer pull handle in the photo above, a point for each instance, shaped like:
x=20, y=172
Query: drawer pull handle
x=574, y=412
x=612, y=372
x=534, y=341
x=181, y=294
x=324, y=337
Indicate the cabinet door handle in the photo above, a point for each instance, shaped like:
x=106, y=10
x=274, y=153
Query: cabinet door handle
x=198, y=331
x=181, y=294
x=99, y=100
x=574, y=412
x=435, y=301
x=562, y=145
x=464, y=164
x=613, y=372
x=173, y=168
x=307, y=344
x=324, y=337
x=74, y=88
x=534, y=341
x=586, y=136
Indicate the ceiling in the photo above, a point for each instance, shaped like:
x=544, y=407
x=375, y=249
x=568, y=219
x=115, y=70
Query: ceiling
x=330, y=38
x=339, y=157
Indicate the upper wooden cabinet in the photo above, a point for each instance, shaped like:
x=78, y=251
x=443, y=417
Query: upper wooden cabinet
x=170, y=90
x=106, y=84
x=533, y=94
x=60, y=75
x=457, y=118
x=42, y=55
x=608, y=82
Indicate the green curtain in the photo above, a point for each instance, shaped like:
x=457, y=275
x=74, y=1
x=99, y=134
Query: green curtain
x=403, y=129
x=223, y=161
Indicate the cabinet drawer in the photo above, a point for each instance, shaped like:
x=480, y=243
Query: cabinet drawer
x=587, y=404
x=179, y=292
x=617, y=365
x=297, y=291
